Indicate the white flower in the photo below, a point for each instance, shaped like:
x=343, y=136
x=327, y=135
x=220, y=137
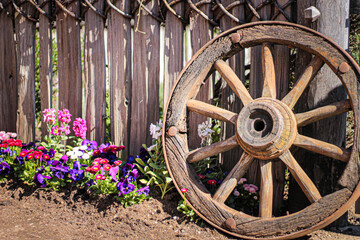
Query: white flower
x=83, y=147
x=85, y=156
x=155, y=130
x=151, y=147
x=75, y=153
x=204, y=132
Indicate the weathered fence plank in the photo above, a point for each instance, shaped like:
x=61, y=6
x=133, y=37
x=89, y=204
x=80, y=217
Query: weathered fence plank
x=145, y=85
x=201, y=33
x=69, y=60
x=229, y=99
x=119, y=53
x=45, y=61
x=174, y=43
x=25, y=38
x=8, y=73
x=94, y=68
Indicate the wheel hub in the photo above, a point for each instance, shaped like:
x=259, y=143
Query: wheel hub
x=265, y=128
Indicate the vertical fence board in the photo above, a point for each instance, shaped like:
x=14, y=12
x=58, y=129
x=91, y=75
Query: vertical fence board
x=256, y=82
x=94, y=68
x=8, y=83
x=201, y=32
x=119, y=53
x=69, y=60
x=229, y=100
x=45, y=61
x=25, y=39
x=174, y=52
x=145, y=85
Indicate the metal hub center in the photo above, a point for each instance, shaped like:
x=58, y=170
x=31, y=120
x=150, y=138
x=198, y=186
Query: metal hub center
x=265, y=128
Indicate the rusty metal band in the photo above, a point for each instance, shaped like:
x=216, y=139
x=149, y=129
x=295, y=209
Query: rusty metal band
x=40, y=10
x=111, y=5
x=92, y=7
x=282, y=11
x=142, y=5
x=22, y=13
x=70, y=13
x=223, y=9
x=202, y=14
x=174, y=12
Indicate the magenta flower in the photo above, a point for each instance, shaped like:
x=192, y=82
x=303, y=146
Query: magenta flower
x=79, y=128
x=125, y=187
x=144, y=190
x=64, y=116
x=49, y=115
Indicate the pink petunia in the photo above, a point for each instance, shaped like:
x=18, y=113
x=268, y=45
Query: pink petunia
x=79, y=128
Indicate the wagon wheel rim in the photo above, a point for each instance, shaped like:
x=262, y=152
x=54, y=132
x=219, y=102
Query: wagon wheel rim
x=274, y=124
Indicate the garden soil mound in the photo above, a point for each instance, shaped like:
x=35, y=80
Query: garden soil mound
x=29, y=213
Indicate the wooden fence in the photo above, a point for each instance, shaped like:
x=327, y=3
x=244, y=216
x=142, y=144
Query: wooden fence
x=133, y=58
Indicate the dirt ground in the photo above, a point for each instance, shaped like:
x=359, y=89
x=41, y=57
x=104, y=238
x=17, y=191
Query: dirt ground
x=26, y=213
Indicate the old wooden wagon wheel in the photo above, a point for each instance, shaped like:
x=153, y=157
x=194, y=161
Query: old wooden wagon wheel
x=266, y=128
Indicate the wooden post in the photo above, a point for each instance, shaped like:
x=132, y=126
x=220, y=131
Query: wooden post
x=119, y=53
x=229, y=99
x=174, y=43
x=201, y=33
x=326, y=88
x=25, y=38
x=69, y=60
x=45, y=52
x=8, y=84
x=145, y=85
x=95, y=73
x=256, y=83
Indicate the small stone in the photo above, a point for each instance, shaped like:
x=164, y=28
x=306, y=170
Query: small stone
x=175, y=217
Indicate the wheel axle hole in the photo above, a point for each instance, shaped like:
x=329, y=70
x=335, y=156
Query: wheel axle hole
x=259, y=125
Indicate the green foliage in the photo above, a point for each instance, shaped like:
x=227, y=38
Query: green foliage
x=185, y=208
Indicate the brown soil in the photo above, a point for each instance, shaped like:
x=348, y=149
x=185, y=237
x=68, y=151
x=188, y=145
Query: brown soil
x=27, y=213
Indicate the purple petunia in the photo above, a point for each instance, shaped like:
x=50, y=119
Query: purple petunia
x=126, y=168
x=40, y=179
x=113, y=172
x=91, y=145
x=133, y=175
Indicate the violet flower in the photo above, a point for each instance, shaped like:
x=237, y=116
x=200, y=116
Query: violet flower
x=126, y=168
x=40, y=179
x=133, y=175
x=125, y=187
x=4, y=168
x=144, y=190
x=91, y=145
x=113, y=173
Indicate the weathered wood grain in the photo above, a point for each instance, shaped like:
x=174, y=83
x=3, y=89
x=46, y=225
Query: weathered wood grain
x=174, y=48
x=327, y=111
x=201, y=33
x=69, y=60
x=8, y=75
x=45, y=62
x=119, y=54
x=145, y=84
x=94, y=69
x=233, y=81
x=212, y=111
x=25, y=38
x=211, y=150
x=266, y=190
x=269, y=81
x=322, y=147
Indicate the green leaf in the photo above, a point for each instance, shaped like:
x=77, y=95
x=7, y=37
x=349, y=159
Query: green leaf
x=168, y=180
x=140, y=161
x=143, y=181
x=153, y=165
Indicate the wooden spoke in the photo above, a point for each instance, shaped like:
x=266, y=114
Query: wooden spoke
x=323, y=148
x=234, y=82
x=213, y=149
x=308, y=187
x=269, y=86
x=311, y=70
x=317, y=114
x=266, y=189
x=211, y=111
x=232, y=179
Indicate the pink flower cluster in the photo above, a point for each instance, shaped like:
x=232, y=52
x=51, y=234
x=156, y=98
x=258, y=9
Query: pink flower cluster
x=56, y=130
x=250, y=188
x=7, y=135
x=79, y=128
x=49, y=115
x=64, y=116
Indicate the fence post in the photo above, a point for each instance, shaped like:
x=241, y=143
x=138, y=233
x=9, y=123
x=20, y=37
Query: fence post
x=119, y=54
x=8, y=74
x=45, y=61
x=145, y=85
x=25, y=46
x=69, y=59
x=94, y=68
